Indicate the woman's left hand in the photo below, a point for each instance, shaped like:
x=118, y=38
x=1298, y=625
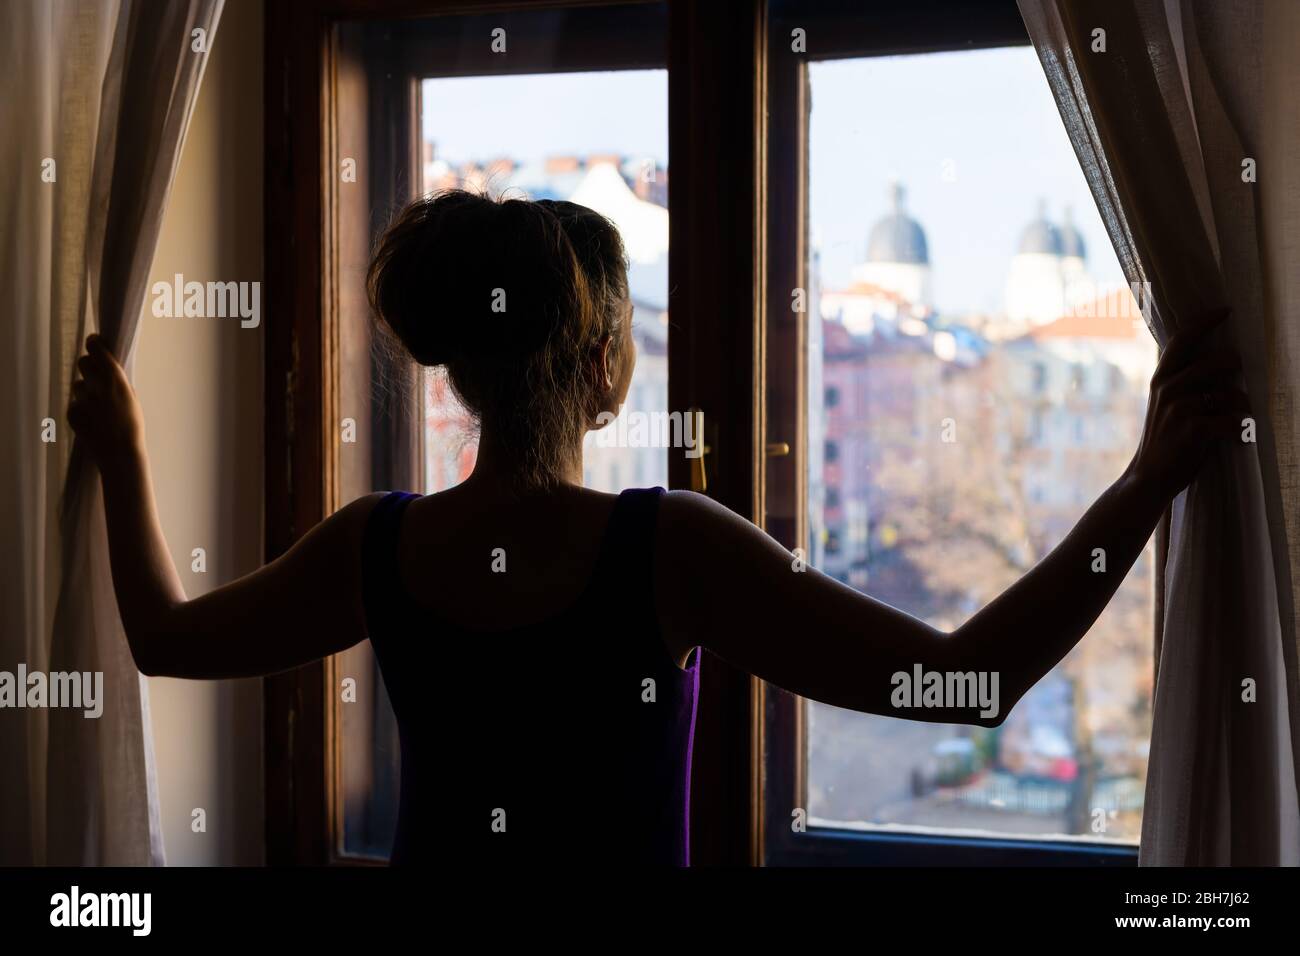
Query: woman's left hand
x=1195, y=401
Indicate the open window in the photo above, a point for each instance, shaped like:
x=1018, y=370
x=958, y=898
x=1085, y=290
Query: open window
x=955, y=369
x=853, y=208
x=375, y=77
x=559, y=104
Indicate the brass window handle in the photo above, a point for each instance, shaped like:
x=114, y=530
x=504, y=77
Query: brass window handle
x=699, y=474
x=699, y=480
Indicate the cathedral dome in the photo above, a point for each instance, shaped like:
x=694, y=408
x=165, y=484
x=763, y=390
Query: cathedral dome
x=897, y=237
x=1041, y=237
x=1071, y=238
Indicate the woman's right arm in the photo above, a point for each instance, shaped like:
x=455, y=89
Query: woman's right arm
x=301, y=607
x=725, y=585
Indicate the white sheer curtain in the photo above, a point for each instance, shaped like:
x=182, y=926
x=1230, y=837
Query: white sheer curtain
x=98, y=94
x=1182, y=116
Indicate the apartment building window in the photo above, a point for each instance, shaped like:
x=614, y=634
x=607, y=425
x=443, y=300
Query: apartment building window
x=1040, y=377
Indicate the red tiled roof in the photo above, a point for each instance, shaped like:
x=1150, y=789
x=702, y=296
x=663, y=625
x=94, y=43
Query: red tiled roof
x=1114, y=315
x=870, y=289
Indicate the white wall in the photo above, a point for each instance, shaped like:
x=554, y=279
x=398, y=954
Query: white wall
x=200, y=382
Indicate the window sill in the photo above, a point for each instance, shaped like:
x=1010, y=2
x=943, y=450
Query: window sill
x=830, y=847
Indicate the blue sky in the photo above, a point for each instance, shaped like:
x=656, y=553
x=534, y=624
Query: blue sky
x=986, y=115
x=531, y=117
x=988, y=111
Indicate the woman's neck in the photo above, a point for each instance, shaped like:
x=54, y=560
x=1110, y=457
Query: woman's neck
x=495, y=471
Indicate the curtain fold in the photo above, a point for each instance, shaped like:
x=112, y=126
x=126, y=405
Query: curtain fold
x=108, y=88
x=1179, y=115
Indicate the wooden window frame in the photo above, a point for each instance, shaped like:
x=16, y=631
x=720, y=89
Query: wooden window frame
x=714, y=271
x=841, y=29
x=721, y=87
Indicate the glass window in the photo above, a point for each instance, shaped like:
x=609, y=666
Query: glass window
x=423, y=106
x=1040, y=376
x=566, y=142
x=959, y=262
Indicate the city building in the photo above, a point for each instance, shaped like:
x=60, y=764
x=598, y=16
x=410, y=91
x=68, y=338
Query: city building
x=893, y=284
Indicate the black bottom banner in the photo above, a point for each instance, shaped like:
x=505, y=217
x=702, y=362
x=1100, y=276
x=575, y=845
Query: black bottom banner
x=382, y=907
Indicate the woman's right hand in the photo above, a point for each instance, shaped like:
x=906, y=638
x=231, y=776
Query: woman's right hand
x=1195, y=401
x=104, y=411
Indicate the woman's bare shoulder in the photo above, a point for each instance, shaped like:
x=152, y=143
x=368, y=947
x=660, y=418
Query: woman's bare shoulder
x=346, y=527
x=689, y=517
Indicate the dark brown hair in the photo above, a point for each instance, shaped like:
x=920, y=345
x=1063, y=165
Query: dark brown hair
x=510, y=296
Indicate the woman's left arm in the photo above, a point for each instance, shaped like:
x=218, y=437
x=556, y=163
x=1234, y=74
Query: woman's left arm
x=303, y=606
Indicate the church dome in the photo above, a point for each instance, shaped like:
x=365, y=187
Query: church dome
x=897, y=237
x=1071, y=238
x=1041, y=237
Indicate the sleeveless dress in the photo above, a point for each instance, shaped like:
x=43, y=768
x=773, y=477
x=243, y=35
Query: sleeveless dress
x=567, y=741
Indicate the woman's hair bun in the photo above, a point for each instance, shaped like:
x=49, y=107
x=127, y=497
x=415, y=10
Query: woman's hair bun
x=511, y=296
x=462, y=276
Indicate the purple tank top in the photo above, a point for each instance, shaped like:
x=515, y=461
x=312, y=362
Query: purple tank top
x=568, y=740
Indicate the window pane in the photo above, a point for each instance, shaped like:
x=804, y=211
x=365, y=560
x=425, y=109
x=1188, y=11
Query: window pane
x=594, y=138
x=978, y=376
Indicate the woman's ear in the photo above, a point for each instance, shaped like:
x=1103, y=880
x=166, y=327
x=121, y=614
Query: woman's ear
x=602, y=358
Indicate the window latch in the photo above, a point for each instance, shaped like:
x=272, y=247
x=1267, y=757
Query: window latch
x=695, y=455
